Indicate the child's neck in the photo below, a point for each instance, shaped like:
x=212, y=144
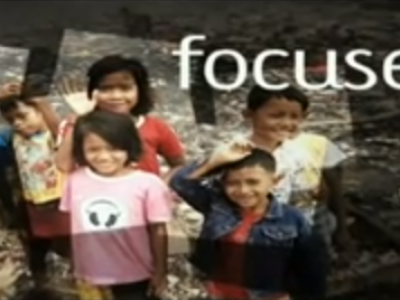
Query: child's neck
x=119, y=173
x=263, y=142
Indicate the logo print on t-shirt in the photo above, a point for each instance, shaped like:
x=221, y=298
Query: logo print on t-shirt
x=103, y=214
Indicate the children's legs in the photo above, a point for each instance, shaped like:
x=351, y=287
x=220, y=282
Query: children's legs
x=325, y=224
x=137, y=291
x=6, y=197
x=38, y=250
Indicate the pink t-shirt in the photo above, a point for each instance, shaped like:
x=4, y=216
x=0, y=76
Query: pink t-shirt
x=109, y=218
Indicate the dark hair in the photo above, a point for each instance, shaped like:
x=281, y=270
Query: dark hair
x=257, y=157
x=258, y=96
x=117, y=129
x=116, y=63
x=12, y=102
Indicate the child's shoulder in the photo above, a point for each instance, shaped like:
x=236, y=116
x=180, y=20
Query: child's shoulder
x=78, y=173
x=321, y=146
x=311, y=138
x=147, y=176
x=154, y=121
x=310, y=144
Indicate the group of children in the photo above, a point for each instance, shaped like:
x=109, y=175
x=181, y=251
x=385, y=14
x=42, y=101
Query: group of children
x=93, y=192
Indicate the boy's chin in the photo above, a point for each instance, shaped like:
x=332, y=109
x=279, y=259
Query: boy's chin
x=247, y=205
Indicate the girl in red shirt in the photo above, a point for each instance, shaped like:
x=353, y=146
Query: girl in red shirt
x=122, y=85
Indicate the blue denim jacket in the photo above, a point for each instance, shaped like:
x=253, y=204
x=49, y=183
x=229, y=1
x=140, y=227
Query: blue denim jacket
x=282, y=253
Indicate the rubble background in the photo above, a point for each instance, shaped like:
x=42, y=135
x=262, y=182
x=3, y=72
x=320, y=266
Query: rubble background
x=250, y=27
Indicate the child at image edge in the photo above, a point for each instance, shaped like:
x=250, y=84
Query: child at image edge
x=32, y=143
x=119, y=213
x=250, y=246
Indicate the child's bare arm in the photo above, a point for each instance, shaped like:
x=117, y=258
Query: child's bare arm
x=175, y=165
x=74, y=94
x=159, y=247
x=50, y=116
x=333, y=179
x=63, y=157
x=338, y=205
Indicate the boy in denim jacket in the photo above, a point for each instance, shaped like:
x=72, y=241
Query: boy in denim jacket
x=250, y=246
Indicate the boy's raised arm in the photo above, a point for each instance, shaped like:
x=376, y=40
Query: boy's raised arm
x=188, y=184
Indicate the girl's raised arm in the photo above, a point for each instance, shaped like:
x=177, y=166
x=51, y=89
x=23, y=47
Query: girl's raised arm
x=80, y=105
x=63, y=157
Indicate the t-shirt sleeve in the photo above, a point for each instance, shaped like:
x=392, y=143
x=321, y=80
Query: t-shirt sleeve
x=169, y=145
x=65, y=203
x=158, y=202
x=333, y=155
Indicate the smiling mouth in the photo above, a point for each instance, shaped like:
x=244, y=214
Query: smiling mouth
x=246, y=200
x=104, y=165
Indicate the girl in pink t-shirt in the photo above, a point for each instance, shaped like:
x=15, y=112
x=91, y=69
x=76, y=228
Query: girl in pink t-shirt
x=118, y=213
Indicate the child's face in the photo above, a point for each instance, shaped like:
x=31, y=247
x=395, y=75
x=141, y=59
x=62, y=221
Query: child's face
x=248, y=187
x=117, y=92
x=102, y=157
x=25, y=119
x=277, y=119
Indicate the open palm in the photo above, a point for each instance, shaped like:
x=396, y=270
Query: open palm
x=74, y=93
x=231, y=152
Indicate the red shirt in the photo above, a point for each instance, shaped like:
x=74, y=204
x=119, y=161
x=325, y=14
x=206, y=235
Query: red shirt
x=158, y=139
x=47, y=222
x=228, y=280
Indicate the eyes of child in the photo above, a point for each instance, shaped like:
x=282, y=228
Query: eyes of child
x=281, y=115
x=20, y=116
x=124, y=88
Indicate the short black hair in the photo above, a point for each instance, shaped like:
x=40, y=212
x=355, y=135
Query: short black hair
x=257, y=157
x=117, y=63
x=116, y=129
x=258, y=96
x=10, y=103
